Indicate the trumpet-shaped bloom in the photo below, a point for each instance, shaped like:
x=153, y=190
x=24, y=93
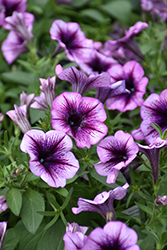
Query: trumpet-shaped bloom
x=80, y=82
x=152, y=152
x=9, y=6
x=75, y=237
x=161, y=200
x=26, y=99
x=80, y=117
x=20, y=25
x=135, y=85
x=19, y=117
x=72, y=39
x=47, y=95
x=154, y=110
x=115, y=235
x=115, y=152
x=50, y=156
x=102, y=203
x=126, y=48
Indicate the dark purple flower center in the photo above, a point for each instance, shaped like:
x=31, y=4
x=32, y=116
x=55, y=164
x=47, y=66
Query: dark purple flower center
x=69, y=40
x=129, y=82
x=115, y=245
x=10, y=7
x=98, y=66
x=75, y=120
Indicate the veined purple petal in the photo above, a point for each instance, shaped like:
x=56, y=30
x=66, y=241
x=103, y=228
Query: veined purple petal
x=72, y=39
x=80, y=82
x=114, y=235
x=80, y=117
x=49, y=156
x=115, y=152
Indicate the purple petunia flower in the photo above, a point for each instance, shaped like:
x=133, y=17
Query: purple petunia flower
x=80, y=117
x=97, y=63
x=9, y=6
x=153, y=110
x=75, y=237
x=80, y=82
x=155, y=8
x=114, y=235
x=135, y=85
x=20, y=25
x=3, y=203
x=126, y=48
x=152, y=152
x=161, y=200
x=72, y=39
x=19, y=117
x=115, y=152
x=26, y=99
x=50, y=156
x=47, y=95
x=102, y=203
x=3, y=227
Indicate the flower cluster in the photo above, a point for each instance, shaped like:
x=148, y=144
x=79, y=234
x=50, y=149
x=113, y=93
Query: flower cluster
x=83, y=152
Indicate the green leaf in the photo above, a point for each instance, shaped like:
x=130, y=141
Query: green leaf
x=62, y=191
x=14, y=200
x=119, y=9
x=144, y=208
x=52, y=222
x=32, y=202
x=52, y=238
x=18, y=77
x=93, y=14
x=11, y=239
x=67, y=199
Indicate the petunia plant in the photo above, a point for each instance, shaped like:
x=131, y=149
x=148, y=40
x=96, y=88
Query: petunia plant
x=83, y=127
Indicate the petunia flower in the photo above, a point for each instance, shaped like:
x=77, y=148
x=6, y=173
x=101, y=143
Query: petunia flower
x=3, y=203
x=115, y=152
x=19, y=117
x=102, y=203
x=135, y=85
x=80, y=117
x=26, y=99
x=72, y=39
x=152, y=152
x=155, y=8
x=3, y=227
x=115, y=89
x=20, y=35
x=80, y=82
x=50, y=156
x=153, y=110
x=74, y=237
x=114, y=235
x=161, y=200
x=126, y=48
x=47, y=95
x=9, y=6
x=97, y=63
